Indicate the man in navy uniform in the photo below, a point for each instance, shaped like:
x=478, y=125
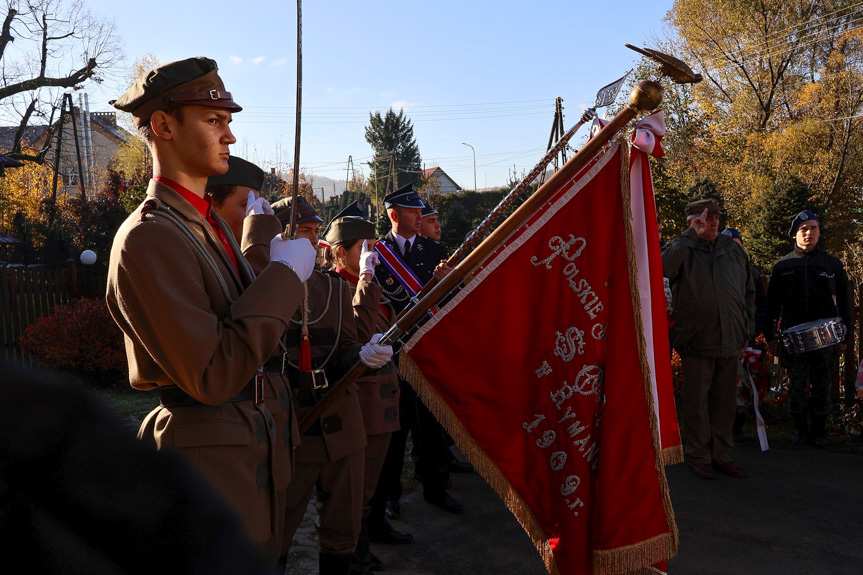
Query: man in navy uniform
x=430, y=227
x=426, y=258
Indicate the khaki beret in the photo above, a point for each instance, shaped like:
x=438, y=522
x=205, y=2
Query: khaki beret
x=240, y=173
x=347, y=228
x=189, y=81
x=696, y=208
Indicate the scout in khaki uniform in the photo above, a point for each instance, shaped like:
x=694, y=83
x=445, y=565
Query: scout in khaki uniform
x=352, y=237
x=322, y=343
x=235, y=193
x=197, y=327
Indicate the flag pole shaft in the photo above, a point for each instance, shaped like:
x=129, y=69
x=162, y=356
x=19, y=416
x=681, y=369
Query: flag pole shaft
x=645, y=96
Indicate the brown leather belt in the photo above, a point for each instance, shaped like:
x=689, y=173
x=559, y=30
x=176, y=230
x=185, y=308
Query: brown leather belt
x=175, y=397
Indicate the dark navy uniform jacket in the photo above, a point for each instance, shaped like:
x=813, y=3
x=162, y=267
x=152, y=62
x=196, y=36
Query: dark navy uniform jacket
x=801, y=290
x=425, y=255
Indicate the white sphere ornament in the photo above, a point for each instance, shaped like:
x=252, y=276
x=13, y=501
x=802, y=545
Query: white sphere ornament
x=88, y=257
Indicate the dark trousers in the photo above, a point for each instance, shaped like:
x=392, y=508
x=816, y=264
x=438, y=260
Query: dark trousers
x=809, y=380
x=428, y=439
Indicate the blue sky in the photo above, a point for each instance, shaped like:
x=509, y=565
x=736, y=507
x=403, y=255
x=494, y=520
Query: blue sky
x=485, y=73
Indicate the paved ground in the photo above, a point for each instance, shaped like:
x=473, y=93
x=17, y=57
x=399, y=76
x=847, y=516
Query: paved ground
x=800, y=511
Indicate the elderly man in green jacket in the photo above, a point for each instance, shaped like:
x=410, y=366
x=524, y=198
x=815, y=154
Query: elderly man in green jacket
x=714, y=314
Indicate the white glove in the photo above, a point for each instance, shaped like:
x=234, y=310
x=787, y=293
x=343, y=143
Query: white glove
x=257, y=206
x=374, y=355
x=299, y=255
x=368, y=260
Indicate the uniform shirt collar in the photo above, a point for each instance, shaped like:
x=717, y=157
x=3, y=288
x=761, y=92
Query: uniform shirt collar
x=401, y=241
x=203, y=205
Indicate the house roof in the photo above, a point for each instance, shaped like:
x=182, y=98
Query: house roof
x=437, y=172
x=106, y=122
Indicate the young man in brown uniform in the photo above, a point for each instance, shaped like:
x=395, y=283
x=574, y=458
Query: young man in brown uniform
x=197, y=327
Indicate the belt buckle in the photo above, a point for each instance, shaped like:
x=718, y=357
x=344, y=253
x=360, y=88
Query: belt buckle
x=316, y=373
x=259, y=388
x=214, y=94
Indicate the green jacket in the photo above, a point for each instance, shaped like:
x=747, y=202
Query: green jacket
x=714, y=295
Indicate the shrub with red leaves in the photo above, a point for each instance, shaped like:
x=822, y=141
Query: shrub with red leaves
x=81, y=338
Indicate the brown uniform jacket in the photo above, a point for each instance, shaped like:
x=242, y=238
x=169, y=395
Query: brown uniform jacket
x=379, y=391
x=334, y=347
x=192, y=322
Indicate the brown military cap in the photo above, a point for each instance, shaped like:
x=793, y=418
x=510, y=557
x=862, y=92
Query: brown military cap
x=240, y=173
x=696, y=208
x=305, y=211
x=189, y=81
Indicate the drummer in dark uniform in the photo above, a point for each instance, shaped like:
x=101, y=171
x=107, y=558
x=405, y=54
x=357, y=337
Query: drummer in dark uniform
x=807, y=285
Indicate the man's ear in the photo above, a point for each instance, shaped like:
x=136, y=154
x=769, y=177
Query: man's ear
x=161, y=125
x=394, y=216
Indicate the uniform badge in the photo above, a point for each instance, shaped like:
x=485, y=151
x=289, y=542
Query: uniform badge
x=420, y=247
x=389, y=281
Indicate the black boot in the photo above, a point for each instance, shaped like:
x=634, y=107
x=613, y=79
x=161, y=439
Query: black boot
x=816, y=433
x=361, y=563
x=381, y=531
x=801, y=429
x=334, y=564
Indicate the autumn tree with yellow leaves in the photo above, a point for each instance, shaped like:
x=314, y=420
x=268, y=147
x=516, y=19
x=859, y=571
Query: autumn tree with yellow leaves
x=778, y=115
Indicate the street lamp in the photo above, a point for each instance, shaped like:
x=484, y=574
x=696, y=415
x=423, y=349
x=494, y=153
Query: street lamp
x=474, y=163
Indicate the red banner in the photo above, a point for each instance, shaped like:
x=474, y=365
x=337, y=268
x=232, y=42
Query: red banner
x=539, y=370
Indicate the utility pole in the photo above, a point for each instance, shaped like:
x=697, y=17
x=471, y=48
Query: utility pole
x=557, y=132
x=393, y=171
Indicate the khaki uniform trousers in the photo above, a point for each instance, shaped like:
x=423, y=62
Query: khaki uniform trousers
x=376, y=454
x=709, y=401
x=340, y=487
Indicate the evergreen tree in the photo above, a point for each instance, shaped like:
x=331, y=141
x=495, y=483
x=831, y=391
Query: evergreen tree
x=393, y=134
x=767, y=239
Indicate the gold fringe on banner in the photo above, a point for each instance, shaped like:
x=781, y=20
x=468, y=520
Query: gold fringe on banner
x=634, y=557
x=672, y=455
x=477, y=457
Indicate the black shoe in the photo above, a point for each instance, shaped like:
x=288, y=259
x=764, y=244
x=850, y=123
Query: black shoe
x=384, y=533
x=376, y=564
x=444, y=501
x=393, y=510
x=334, y=564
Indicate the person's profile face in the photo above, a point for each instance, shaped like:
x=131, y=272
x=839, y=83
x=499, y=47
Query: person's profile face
x=430, y=227
x=201, y=140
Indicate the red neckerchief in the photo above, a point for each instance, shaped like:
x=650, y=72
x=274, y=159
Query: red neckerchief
x=354, y=281
x=205, y=207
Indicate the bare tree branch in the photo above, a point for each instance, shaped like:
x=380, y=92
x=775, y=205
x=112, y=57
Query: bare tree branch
x=6, y=33
x=69, y=81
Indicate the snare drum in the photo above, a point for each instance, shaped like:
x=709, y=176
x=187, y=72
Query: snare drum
x=814, y=335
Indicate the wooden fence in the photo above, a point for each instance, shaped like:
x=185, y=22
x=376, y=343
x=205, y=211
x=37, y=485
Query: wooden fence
x=30, y=292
